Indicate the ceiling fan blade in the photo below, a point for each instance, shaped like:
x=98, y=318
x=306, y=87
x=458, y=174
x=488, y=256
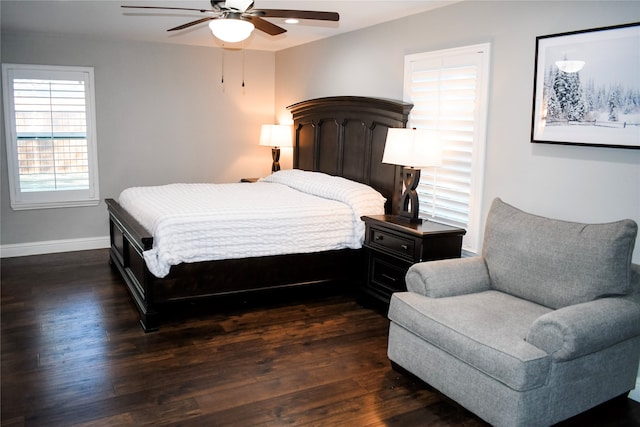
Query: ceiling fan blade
x=264, y=25
x=299, y=14
x=191, y=24
x=167, y=8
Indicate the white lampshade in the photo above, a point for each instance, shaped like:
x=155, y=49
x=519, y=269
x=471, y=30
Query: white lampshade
x=276, y=136
x=231, y=30
x=417, y=148
x=570, y=66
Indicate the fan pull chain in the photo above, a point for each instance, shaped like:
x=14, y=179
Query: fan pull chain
x=222, y=71
x=243, y=51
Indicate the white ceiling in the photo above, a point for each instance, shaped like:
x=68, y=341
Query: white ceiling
x=106, y=19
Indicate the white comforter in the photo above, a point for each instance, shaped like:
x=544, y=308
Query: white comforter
x=291, y=211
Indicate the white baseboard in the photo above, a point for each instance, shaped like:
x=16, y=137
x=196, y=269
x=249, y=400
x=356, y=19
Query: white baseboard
x=53, y=246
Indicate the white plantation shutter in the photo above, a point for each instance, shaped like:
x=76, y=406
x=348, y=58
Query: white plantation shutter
x=51, y=134
x=448, y=89
x=51, y=143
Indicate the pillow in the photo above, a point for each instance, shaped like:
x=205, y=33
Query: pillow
x=362, y=198
x=556, y=263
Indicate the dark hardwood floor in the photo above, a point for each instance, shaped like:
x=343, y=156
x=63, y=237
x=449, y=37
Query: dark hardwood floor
x=73, y=354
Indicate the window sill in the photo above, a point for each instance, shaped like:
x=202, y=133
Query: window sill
x=50, y=205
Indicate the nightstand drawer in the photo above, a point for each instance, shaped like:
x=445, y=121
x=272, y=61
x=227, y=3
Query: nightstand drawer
x=387, y=275
x=394, y=243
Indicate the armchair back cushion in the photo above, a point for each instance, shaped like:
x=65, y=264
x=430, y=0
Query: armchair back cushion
x=556, y=263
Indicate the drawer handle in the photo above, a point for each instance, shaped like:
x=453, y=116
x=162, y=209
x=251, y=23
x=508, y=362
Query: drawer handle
x=405, y=247
x=386, y=276
x=379, y=237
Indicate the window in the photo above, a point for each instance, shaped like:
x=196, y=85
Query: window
x=51, y=139
x=449, y=91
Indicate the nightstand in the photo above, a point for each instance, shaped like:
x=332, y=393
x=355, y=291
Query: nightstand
x=393, y=244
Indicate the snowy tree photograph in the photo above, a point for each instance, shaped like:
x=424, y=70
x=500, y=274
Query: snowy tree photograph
x=587, y=87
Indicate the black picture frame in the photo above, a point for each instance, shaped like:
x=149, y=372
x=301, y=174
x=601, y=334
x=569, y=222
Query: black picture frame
x=586, y=88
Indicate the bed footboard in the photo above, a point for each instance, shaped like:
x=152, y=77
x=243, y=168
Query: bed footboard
x=128, y=240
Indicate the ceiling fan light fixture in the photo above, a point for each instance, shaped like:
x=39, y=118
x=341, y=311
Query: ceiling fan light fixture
x=231, y=30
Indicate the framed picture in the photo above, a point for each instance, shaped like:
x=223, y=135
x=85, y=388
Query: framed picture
x=586, y=88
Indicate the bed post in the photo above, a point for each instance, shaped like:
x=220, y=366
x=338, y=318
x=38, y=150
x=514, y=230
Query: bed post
x=128, y=240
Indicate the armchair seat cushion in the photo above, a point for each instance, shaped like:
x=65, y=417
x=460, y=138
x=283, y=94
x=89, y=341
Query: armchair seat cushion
x=486, y=330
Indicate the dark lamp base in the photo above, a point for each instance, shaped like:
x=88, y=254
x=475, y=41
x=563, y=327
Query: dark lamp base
x=409, y=204
x=275, y=154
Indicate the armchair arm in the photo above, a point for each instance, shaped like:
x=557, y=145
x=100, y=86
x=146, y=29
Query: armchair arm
x=581, y=329
x=635, y=283
x=449, y=277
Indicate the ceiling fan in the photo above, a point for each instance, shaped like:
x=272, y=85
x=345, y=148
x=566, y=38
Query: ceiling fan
x=234, y=20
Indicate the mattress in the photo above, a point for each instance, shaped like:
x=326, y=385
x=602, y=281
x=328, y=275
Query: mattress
x=291, y=211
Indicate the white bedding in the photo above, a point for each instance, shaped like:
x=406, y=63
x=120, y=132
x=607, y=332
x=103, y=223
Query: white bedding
x=291, y=211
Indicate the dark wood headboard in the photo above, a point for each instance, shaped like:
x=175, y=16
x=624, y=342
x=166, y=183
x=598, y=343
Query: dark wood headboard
x=345, y=136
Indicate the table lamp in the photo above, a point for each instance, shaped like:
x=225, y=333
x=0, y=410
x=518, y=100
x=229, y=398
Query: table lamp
x=276, y=136
x=413, y=149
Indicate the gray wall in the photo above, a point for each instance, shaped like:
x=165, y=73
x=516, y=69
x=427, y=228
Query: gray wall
x=162, y=116
x=568, y=182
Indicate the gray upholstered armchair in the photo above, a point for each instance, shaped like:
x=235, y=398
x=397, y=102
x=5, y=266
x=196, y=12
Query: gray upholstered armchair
x=544, y=325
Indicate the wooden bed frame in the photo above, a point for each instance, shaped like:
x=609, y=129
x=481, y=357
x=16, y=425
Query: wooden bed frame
x=341, y=136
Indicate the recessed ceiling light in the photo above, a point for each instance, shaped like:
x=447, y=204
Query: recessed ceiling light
x=291, y=21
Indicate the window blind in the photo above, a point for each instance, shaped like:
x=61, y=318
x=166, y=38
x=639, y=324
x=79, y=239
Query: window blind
x=51, y=132
x=444, y=100
x=448, y=91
